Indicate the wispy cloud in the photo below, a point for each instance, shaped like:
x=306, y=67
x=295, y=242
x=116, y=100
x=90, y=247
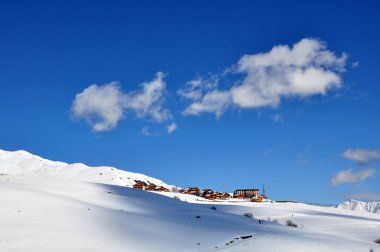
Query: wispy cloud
x=277, y=118
x=305, y=69
x=148, y=101
x=146, y=132
x=355, y=64
x=362, y=156
x=102, y=107
x=171, y=128
x=204, y=96
x=194, y=89
x=213, y=102
x=349, y=177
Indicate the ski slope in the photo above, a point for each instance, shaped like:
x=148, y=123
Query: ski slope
x=42, y=212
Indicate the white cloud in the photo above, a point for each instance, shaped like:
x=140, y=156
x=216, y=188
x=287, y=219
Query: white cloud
x=348, y=177
x=196, y=88
x=102, y=107
x=213, y=102
x=305, y=69
x=146, y=132
x=148, y=101
x=205, y=96
x=171, y=128
x=361, y=156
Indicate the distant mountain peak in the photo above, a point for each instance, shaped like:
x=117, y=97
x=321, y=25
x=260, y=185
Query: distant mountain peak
x=360, y=206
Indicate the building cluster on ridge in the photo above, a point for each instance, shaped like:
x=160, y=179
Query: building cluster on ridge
x=149, y=187
x=206, y=193
x=252, y=194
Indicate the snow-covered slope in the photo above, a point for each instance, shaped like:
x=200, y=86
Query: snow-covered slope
x=24, y=163
x=360, y=206
x=41, y=212
x=46, y=214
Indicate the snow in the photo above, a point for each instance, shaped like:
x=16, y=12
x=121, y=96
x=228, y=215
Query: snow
x=22, y=162
x=46, y=208
x=360, y=206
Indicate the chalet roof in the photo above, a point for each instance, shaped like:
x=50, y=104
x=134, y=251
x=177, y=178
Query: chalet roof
x=141, y=182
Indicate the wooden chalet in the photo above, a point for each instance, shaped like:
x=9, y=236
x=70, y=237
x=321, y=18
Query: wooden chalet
x=139, y=185
x=191, y=190
x=218, y=195
x=151, y=187
x=246, y=193
x=208, y=194
x=225, y=196
x=162, y=189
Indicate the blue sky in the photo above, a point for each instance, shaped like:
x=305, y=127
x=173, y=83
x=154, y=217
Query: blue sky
x=276, y=92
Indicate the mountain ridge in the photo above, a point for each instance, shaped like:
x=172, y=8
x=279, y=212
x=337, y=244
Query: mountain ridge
x=360, y=206
x=21, y=162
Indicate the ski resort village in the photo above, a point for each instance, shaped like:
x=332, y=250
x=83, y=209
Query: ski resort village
x=250, y=194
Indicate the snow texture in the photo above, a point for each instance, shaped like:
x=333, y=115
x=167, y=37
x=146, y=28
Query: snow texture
x=24, y=163
x=52, y=206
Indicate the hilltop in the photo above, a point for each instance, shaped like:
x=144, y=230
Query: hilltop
x=54, y=206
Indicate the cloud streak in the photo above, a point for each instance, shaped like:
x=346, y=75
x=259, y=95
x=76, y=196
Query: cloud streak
x=362, y=156
x=349, y=177
x=102, y=107
x=307, y=68
x=148, y=102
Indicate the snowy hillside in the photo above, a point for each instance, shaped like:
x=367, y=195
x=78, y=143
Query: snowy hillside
x=24, y=163
x=41, y=212
x=360, y=206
